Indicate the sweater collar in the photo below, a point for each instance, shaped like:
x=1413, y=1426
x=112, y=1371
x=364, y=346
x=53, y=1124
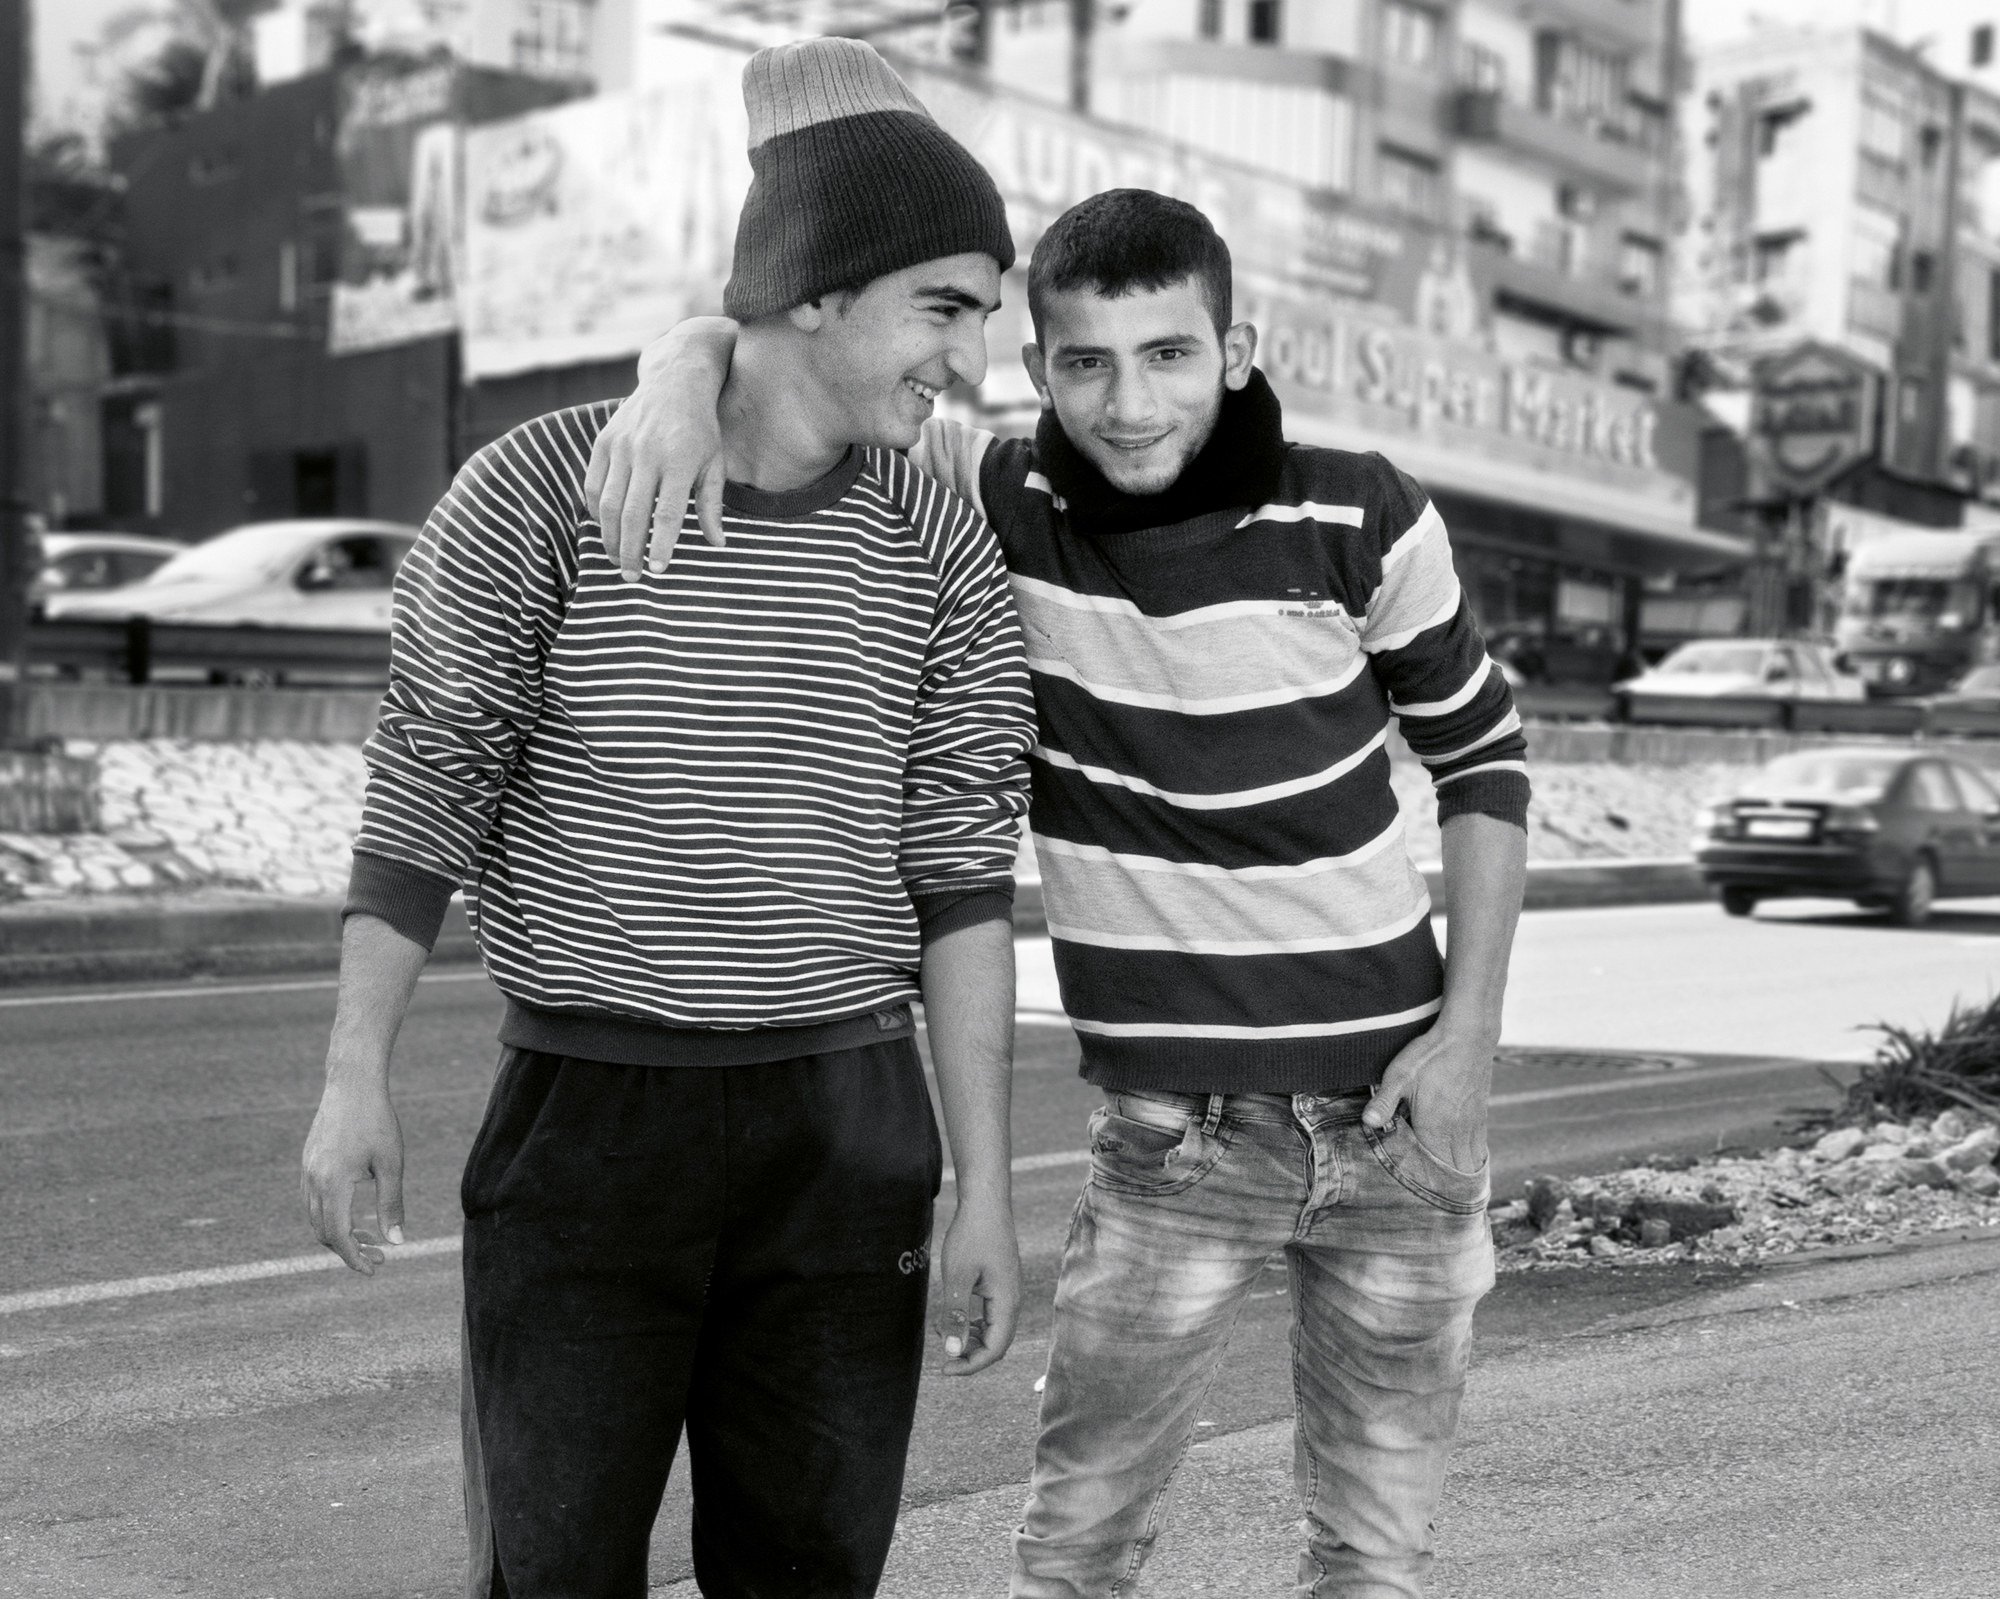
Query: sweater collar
x=1238, y=466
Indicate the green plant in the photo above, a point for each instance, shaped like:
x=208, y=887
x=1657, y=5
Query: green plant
x=1917, y=1072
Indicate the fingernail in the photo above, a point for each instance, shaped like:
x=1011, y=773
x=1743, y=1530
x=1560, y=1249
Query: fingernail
x=628, y=577
x=656, y=567
x=395, y=1235
x=952, y=1347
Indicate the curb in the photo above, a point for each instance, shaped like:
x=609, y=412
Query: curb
x=127, y=938
x=133, y=938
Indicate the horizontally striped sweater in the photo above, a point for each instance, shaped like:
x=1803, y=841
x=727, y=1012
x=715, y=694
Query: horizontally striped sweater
x=1229, y=892
x=698, y=818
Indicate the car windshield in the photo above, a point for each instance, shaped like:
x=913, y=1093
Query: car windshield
x=1850, y=776
x=1980, y=680
x=1919, y=599
x=245, y=552
x=1708, y=660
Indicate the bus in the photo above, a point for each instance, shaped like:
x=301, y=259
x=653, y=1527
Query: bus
x=1918, y=609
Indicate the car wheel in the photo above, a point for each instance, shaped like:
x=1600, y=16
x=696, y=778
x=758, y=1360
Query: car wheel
x=1738, y=901
x=1911, y=906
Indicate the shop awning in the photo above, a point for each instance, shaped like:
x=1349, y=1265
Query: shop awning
x=1552, y=493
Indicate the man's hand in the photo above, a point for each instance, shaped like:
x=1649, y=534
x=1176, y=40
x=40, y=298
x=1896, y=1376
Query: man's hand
x=981, y=1268
x=662, y=447
x=355, y=1138
x=1447, y=1080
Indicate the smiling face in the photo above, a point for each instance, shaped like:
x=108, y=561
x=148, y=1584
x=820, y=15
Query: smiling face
x=882, y=354
x=1137, y=379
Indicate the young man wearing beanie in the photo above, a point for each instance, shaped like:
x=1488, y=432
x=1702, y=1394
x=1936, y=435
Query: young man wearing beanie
x=718, y=827
x=1220, y=626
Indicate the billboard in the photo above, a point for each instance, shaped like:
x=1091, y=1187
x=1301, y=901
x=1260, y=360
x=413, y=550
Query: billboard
x=592, y=227
x=396, y=148
x=1813, y=414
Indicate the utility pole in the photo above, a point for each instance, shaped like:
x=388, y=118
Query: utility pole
x=1082, y=26
x=14, y=574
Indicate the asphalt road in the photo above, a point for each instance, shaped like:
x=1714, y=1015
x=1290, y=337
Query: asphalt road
x=294, y=1434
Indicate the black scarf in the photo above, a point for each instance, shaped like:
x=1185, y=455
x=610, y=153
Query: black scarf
x=1238, y=466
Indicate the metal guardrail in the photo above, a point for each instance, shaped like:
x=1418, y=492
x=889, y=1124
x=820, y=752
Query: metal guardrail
x=137, y=648
x=1878, y=717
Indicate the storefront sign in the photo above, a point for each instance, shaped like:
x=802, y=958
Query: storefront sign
x=1812, y=416
x=1391, y=380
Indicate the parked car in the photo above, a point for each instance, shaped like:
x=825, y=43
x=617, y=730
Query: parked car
x=1889, y=829
x=1692, y=678
x=90, y=563
x=1971, y=705
x=319, y=572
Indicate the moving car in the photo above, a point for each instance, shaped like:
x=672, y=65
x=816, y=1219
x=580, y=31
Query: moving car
x=1889, y=829
x=1971, y=705
x=317, y=572
x=1700, y=681
x=90, y=563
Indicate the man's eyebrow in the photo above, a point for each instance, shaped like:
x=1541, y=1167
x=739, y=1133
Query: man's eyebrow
x=962, y=298
x=1166, y=341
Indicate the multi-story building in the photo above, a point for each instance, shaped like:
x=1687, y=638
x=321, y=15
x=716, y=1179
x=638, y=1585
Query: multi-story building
x=1516, y=162
x=1845, y=190
x=571, y=41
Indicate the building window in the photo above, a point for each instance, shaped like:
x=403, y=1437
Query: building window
x=1208, y=22
x=1409, y=35
x=1482, y=69
x=1639, y=265
x=1982, y=45
x=552, y=38
x=1929, y=142
x=1264, y=22
x=1993, y=315
x=1882, y=131
x=1775, y=257
x=1910, y=401
x=1875, y=257
x=1771, y=125
x=1577, y=80
x=1922, y=263
x=1408, y=181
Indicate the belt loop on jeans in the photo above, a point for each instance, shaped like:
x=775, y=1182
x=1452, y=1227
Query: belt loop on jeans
x=1214, y=1118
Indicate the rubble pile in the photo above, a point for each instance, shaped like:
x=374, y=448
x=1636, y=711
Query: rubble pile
x=1588, y=811
x=275, y=816
x=1855, y=1185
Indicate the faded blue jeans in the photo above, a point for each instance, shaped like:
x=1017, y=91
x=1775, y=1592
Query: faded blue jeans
x=1189, y=1197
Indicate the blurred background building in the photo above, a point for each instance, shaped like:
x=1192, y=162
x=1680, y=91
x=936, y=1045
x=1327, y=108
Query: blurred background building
x=304, y=256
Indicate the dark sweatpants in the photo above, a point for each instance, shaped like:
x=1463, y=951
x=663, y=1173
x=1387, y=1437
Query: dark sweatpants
x=740, y=1250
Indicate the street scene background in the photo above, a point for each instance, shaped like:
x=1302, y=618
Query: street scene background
x=1685, y=314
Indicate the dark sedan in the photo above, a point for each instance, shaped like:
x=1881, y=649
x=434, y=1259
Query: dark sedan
x=1891, y=830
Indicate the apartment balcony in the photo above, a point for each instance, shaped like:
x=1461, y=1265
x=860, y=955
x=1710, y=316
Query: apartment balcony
x=1620, y=24
x=1612, y=153
x=1547, y=275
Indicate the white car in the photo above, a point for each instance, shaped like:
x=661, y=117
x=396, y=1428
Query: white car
x=1746, y=668
x=323, y=572
x=92, y=562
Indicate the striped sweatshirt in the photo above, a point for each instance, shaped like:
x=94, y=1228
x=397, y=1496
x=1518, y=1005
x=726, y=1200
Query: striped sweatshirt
x=706, y=817
x=1229, y=891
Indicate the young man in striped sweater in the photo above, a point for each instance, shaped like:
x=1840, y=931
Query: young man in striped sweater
x=1220, y=626
x=717, y=827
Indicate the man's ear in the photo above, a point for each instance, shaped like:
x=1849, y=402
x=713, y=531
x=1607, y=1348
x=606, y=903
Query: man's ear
x=1038, y=373
x=808, y=318
x=1239, y=354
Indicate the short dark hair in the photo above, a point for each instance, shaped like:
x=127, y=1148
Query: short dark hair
x=1126, y=240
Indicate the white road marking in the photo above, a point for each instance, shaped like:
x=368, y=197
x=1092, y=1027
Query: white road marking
x=212, y=990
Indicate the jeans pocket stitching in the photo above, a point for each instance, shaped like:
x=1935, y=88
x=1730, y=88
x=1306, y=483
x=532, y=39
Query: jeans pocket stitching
x=1386, y=1158
x=1105, y=1175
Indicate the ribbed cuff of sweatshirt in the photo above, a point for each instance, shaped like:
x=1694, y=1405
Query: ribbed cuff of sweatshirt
x=938, y=914
x=1501, y=795
x=408, y=898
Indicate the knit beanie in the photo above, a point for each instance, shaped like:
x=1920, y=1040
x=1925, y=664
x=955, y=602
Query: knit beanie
x=851, y=178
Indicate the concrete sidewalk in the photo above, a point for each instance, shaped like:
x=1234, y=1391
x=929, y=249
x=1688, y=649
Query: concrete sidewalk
x=1825, y=1428
x=113, y=938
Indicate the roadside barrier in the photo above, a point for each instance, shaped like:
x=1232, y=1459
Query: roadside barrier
x=135, y=649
